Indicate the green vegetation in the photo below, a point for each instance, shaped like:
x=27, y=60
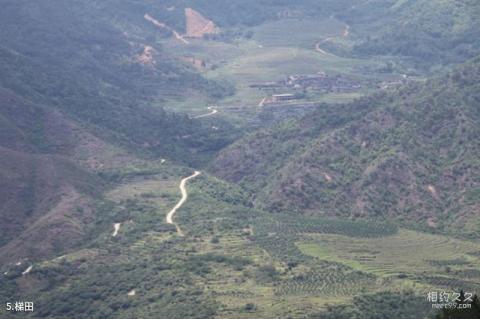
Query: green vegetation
x=385, y=156
x=382, y=305
x=344, y=204
x=233, y=259
x=469, y=313
x=51, y=61
x=431, y=32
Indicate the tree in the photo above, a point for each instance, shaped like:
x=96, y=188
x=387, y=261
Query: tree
x=473, y=312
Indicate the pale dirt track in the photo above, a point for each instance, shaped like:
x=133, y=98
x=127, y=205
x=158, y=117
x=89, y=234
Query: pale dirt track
x=184, y=198
x=27, y=271
x=116, y=228
x=213, y=111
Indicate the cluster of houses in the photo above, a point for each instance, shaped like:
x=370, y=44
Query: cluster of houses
x=323, y=82
x=320, y=82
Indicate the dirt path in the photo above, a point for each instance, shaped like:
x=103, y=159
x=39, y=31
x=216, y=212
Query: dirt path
x=27, y=271
x=181, y=202
x=320, y=50
x=346, y=33
x=262, y=102
x=179, y=37
x=116, y=228
x=159, y=24
x=212, y=112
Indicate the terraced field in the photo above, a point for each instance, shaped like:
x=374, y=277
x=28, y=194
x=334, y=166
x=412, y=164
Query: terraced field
x=276, y=50
x=330, y=280
x=433, y=260
x=281, y=264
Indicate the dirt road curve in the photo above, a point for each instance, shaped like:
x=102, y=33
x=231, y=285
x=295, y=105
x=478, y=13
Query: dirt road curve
x=320, y=50
x=212, y=112
x=181, y=202
x=345, y=34
x=116, y=228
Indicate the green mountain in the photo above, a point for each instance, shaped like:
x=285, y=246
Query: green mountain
x=76, y=100
x=430, y=32
x=408, y=155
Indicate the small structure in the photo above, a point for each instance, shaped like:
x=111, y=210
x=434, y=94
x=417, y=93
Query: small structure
x=283, y=97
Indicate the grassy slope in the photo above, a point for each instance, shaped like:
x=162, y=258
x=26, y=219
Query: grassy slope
x=408, y=155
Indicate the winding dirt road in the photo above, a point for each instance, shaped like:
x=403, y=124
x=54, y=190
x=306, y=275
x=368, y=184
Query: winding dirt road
x=212, y=112
x=320, y=50
x=116, y=228
x=345, y=34
x=184, y=198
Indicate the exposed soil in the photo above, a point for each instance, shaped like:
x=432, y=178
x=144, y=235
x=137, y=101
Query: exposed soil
x=147, y=56
x=116, y=228
x=327, y=177
x=433, y=191
x=198, y=25
x=27, y=271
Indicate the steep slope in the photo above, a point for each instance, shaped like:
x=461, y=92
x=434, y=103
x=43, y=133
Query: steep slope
x=45, y=163
x=75, y=102
x=46, y=203
x=430, y=33
x=78, y=59
x=410, y=155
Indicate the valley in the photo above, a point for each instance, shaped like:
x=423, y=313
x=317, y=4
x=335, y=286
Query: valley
x=244, y=159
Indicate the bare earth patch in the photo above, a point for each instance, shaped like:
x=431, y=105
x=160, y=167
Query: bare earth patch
x=198, y=25
x=432, y=190
x=147, y=56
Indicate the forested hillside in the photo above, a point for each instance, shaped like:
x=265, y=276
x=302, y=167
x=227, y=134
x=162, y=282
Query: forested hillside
x=430, y=32
x=76, y=98
x=73, y=58
x=409, y=155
